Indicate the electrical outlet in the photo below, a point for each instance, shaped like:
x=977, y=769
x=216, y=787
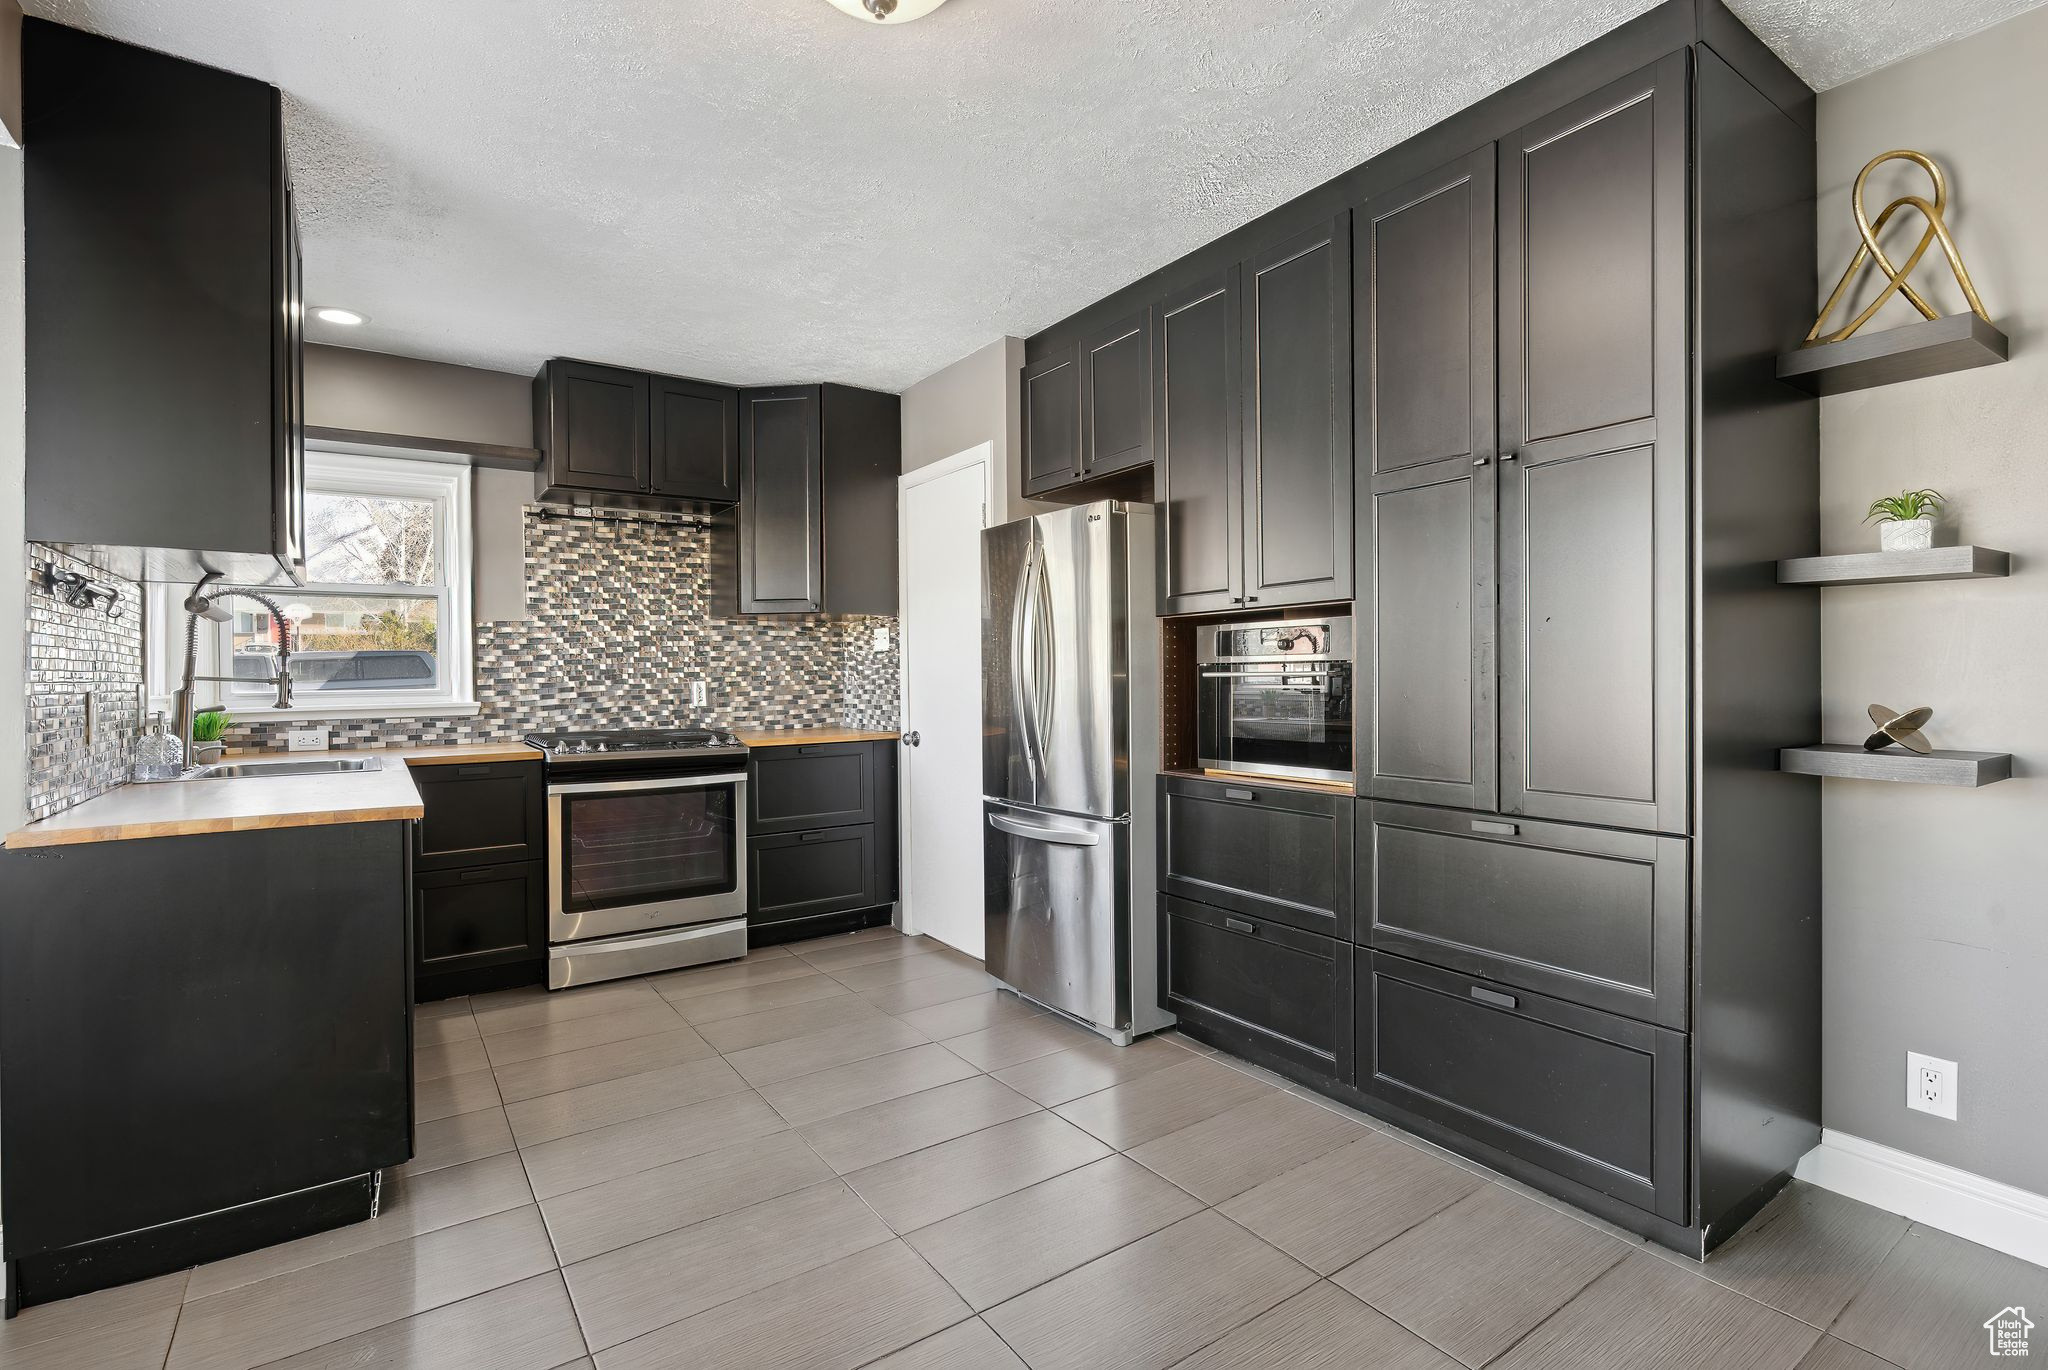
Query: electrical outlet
x=1931, y=1085
x=881, y=638
x=700, y=694
x=306, y=740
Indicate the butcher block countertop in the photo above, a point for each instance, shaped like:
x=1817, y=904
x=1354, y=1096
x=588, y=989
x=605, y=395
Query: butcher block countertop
x=790, y=737
x=180, y=808
x=461, y=752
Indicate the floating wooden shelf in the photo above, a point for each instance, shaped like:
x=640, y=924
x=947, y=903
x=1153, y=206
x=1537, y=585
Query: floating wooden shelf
x=1932, y=347
x=1892, y=568
x=1848, y=762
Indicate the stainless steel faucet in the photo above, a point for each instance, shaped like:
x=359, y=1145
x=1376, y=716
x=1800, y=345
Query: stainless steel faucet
x=200, y=604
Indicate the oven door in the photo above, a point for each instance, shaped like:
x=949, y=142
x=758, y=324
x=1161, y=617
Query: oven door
x=1265, y=721
x=627, y=856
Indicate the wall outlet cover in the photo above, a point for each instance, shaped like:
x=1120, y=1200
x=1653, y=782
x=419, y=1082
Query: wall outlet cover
x=1931, y=1085
x=881, y=638
x=699, y=694
x=306, y=740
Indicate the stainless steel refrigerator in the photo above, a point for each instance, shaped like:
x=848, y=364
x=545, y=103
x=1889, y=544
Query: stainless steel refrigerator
x=1070, y=749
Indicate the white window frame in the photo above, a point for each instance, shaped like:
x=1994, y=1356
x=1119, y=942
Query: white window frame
x=448, y=486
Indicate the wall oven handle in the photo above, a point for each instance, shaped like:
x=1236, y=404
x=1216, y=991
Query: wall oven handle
x=1065, y=837
x=667, y=782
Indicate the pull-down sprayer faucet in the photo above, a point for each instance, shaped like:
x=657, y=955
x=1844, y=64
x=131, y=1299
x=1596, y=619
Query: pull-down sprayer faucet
x=199, y=604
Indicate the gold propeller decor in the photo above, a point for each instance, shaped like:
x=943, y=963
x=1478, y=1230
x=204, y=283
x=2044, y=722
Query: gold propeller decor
x=1870, y=250
x=1903, y=729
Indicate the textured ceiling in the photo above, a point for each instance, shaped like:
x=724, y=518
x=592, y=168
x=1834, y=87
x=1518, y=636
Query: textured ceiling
x=766, y=190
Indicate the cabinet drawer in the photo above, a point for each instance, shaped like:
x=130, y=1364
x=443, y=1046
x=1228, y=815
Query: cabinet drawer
x=804, y=874
x=1597, y=1099
x=1591, y=915
x=1290, y=991
x=479, y=814
x=483, y=916
x=814, y=785
x=1264, y=850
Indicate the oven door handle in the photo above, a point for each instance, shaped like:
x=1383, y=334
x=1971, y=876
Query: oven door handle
x=672, y=782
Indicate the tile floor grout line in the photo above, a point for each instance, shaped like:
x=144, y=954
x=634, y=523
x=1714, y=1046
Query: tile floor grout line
x=1539, y=1323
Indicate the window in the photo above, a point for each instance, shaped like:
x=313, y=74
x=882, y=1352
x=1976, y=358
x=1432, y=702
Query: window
x=381, y=626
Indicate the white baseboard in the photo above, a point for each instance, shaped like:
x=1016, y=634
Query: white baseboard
x=1987, y=1212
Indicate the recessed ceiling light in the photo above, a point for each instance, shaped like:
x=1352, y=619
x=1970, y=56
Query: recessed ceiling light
x=327, y=313
x=888, y=11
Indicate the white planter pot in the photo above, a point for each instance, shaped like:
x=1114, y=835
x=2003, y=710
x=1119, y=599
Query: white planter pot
x=1906, y=535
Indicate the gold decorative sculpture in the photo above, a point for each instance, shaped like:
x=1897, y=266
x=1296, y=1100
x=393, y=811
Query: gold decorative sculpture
x=1895, y=276
x=1903, y=729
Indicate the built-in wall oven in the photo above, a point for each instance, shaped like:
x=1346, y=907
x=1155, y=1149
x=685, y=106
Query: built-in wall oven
x=1274, y=697
x=647, y=848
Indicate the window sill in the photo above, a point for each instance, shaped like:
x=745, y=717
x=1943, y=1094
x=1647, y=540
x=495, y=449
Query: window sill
x=362, y=708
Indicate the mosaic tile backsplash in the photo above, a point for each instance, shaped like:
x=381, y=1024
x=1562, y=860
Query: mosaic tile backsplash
x=622, y=622
x=80, y=663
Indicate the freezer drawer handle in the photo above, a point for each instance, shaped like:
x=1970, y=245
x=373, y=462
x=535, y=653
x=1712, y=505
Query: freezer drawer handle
x=1502, y=829
x=1241, y=794
x=1239, y=925
x=1494, y=997
x=1066, y=837
x=813, y=836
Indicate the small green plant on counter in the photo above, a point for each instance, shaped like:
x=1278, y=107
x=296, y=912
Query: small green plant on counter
x=1905, y=506
x=210, y=726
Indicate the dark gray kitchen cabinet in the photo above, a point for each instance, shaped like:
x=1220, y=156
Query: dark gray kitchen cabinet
x=165, y=400
x=1596, y=916
x=1424, y=274
x=590, y=423
x=613, y=436
x=480, y=872
x=1051, y=405
x=1269, y=851
x=821, y=839
x=693, y=440
x=1593, y=402
x=815, y=530
x=1116, y=397
x=1597, y=1099
x=1274, y=993
x=1297, y=419
x=1199, y=438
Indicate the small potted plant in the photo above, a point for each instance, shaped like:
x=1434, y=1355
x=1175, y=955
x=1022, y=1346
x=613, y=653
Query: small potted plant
x=208, y=728
x=1905, y=520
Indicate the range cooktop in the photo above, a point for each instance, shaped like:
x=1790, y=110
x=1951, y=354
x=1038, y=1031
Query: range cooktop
x=637, y=742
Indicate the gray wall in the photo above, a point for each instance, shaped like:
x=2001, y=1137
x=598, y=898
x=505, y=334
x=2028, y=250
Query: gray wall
x=968, y=403
x=1936, y=901
x=378, y=393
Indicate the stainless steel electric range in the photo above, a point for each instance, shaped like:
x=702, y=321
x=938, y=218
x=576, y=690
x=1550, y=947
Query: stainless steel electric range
x=647, y=851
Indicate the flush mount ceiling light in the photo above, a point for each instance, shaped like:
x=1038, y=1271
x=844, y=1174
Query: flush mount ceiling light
x=327, y=313
x=888, y=11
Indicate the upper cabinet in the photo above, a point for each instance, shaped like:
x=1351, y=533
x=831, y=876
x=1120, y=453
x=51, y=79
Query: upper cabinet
x=1252, y=422
x=1088, y=408
x=613, y=436
x=164, y=401
x=815, y=531
x=1593, y=427
x=1297, y=419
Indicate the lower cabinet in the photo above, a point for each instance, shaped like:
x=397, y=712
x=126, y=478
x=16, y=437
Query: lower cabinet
x=1266, y=989
x=1593, y=1097
x=479, y=887
x=821, y=840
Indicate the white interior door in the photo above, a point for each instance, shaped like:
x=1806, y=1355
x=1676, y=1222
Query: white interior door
x=943, y=508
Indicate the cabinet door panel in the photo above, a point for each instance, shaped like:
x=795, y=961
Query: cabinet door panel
x=1594, y=421
x=479, y=814
x=600, y=428
x=781, y=530
x=694, y=441
x=1278, y=990
x=1116, y=397
x=1297, y=446
x=1199, y=471
x=483, y=916
x=821, y=785
x=1597, y=1099
x=1052, y=422
x=1265, y=850
x=807, y=874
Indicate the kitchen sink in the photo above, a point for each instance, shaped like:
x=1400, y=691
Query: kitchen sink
x=326, y=765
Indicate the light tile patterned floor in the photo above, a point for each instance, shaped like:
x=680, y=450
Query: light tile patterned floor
x=856, y=1152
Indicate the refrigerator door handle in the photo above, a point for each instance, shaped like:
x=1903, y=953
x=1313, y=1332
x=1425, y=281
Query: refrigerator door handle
x=1021, y=694
x=1034, y=832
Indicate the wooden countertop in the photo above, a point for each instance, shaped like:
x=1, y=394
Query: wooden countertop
x=1269, y=781
x=182, y=808
x=788, y=737
x=461, y=752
